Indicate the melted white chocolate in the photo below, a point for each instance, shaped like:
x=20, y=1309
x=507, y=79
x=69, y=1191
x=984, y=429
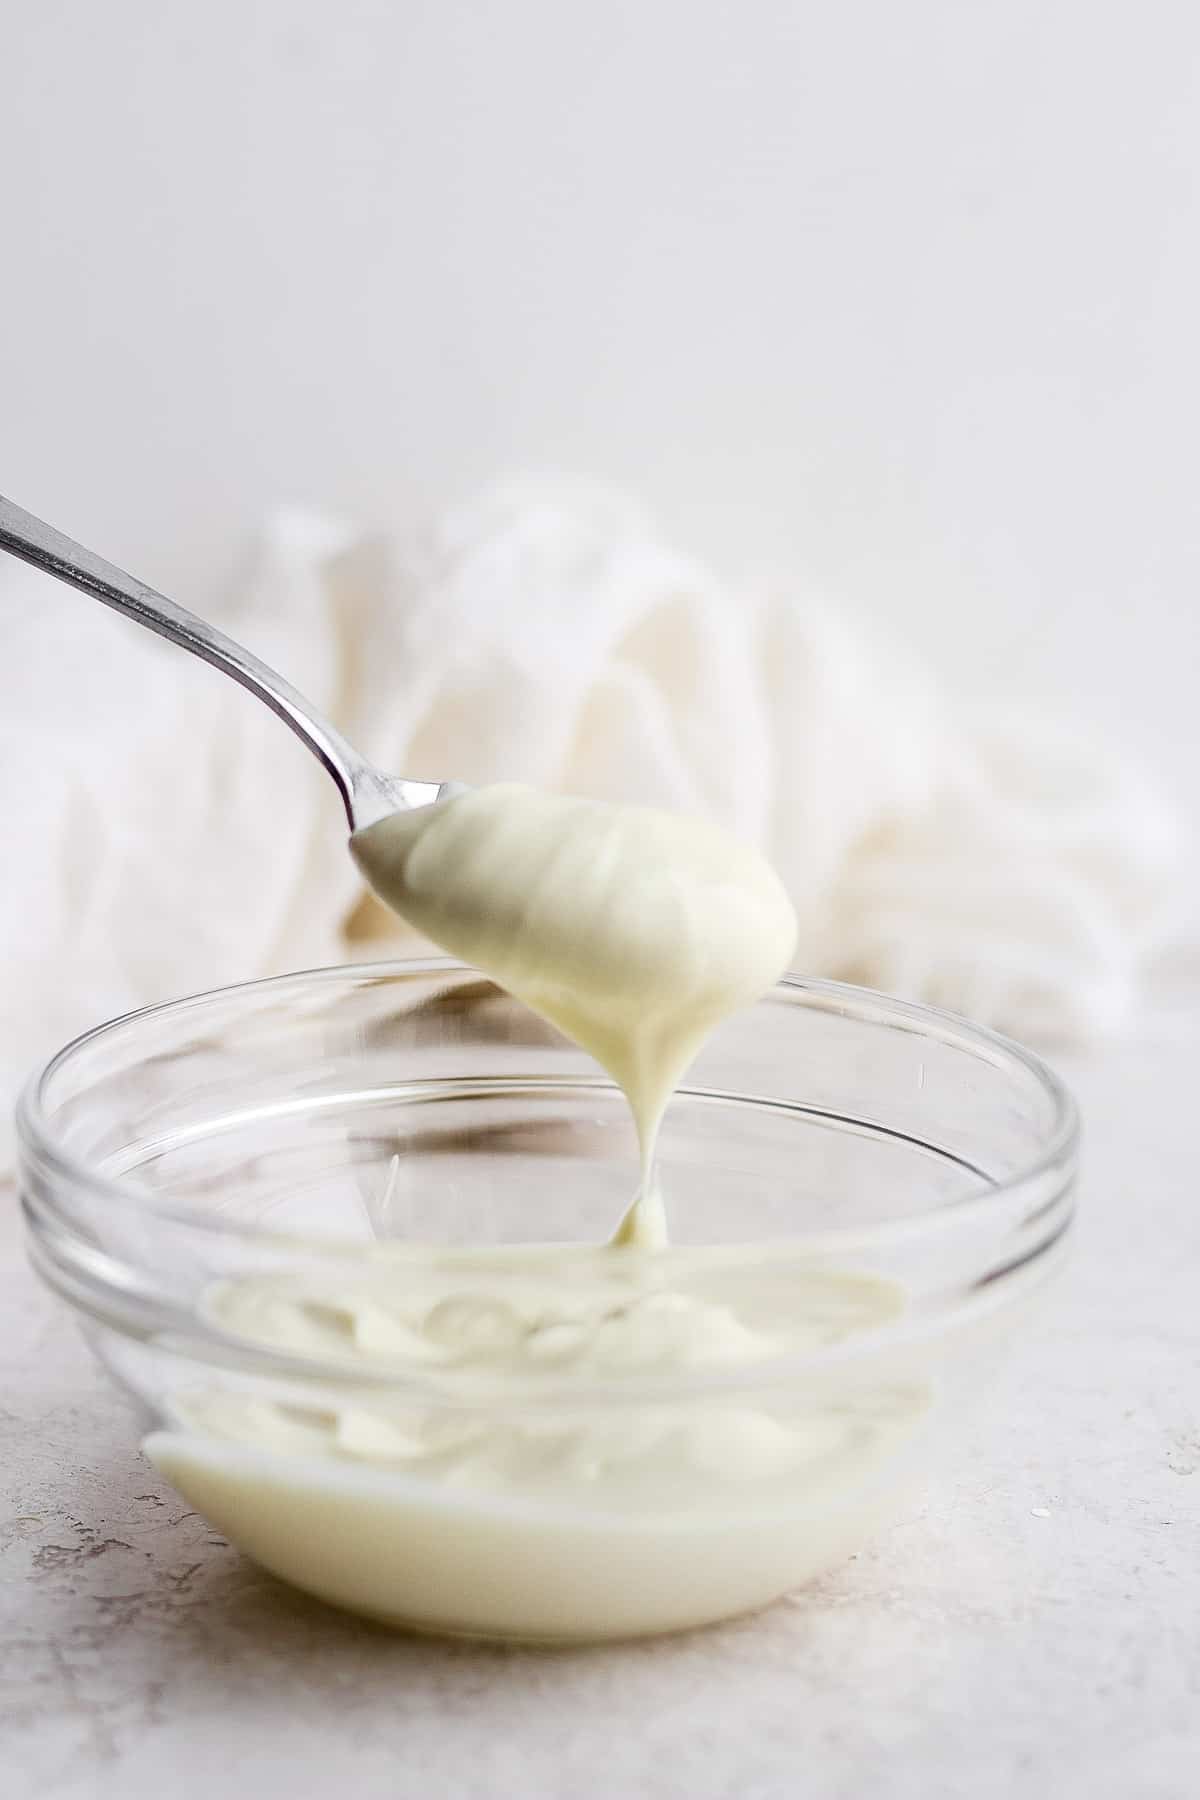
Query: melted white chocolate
x=516, y=1471
x=634, y=931
x=473, y=1321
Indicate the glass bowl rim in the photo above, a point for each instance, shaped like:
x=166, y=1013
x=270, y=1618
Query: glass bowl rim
x=1057, y=1149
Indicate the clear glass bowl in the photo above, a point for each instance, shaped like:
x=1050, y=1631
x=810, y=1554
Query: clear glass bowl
x=872, y=1191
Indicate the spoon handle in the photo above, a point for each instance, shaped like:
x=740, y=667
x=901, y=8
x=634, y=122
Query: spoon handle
x=40, y=544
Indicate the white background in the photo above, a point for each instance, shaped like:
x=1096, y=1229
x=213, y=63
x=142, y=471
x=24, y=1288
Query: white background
x=900, y=301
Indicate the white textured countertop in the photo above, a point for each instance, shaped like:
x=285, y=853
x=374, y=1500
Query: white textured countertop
x=1033, y=1630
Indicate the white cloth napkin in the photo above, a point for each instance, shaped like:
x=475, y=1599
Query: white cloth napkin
x=164, y=833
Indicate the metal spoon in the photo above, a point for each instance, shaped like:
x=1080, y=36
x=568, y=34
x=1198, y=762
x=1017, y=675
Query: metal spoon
x=367, y=793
